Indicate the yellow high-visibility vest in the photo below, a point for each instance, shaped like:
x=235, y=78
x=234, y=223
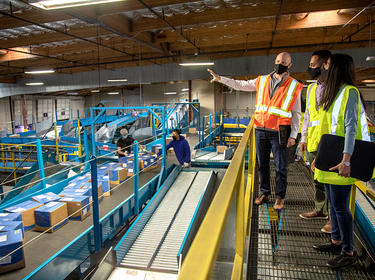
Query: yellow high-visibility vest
x=313, y=136
x=333, y=122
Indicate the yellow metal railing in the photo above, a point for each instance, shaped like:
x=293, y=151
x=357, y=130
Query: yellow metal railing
x=201, y=257
x=367, y=191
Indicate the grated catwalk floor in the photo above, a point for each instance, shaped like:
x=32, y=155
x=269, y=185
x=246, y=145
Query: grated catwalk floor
x=282, y=241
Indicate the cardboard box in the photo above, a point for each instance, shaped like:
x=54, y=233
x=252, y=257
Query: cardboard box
x=130, y=167
x=221, y=149
x=76, y=192
x=11, y=226
x=78, y=205
x=45, y=198
x=10, y=241
x=118, y=173
x=104, y=181
x=108, y=166
x=89, y=188
x=51, y=216
x=27, y=209
x=156, y=148
x=10, y=217
x=192, y=130
x=125, y=159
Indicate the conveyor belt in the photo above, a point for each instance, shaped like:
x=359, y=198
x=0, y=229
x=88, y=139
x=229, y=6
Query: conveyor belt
x=157, y=245
x=281, y=243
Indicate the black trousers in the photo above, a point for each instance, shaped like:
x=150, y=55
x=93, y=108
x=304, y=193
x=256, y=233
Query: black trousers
x=266, y=141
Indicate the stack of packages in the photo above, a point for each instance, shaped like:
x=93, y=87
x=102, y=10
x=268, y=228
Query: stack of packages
x=11, y=238
x=41, y=213
x=77, y=196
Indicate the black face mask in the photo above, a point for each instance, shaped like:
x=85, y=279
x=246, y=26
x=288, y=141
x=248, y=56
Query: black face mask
x=314, y=72
x=174, y=138
x=323, y=74
x=280, y=69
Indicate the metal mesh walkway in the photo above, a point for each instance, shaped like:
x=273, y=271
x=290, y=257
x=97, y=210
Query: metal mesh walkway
x=282, y=242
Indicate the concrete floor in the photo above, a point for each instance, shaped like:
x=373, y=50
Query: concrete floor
x=41, y=249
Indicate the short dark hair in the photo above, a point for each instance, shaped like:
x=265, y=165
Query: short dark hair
x=178, y=131
x=323, y=55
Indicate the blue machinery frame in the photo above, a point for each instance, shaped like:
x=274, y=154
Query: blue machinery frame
x=77, y=253
x=195, y=106
x=152, y=110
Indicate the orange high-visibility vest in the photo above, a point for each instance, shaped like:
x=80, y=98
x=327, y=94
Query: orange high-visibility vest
x=270, y=113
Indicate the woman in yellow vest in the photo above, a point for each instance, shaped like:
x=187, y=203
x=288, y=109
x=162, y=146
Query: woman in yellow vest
x=341, y=113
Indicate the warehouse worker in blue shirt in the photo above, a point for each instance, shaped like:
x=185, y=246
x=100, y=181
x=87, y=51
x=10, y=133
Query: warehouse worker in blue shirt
x=181, y=148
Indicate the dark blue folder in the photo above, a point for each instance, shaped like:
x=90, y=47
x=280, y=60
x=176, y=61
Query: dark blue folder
x=362, y=161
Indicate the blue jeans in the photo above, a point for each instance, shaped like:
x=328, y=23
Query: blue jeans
x=265, y=141
x=341, y=218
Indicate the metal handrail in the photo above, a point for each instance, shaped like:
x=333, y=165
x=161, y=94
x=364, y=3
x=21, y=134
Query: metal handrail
x=201, y=257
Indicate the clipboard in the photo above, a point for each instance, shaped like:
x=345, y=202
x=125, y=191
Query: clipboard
x=362, y=161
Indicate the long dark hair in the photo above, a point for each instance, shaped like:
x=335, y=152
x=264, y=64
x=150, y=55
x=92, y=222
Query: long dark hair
x=340, y=72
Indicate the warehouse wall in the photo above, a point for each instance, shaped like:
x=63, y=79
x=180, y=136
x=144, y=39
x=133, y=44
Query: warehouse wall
x=36, y=107
x=6, y=121
x=202, y=90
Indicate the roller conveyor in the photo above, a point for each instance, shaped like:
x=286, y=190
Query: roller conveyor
x=157, y=245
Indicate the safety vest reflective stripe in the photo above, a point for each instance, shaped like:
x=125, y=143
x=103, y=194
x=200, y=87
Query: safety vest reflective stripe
x=261, y=89
x=261, y=108
x=279, y=112
x=364, y=127
x=289, y=94
x=336, y=111
x=308, y=96
x=313, y=123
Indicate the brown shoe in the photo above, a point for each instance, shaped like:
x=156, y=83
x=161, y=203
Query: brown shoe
x=327, y=227
x=313, y=215
x=261, y=199
x=279, y=204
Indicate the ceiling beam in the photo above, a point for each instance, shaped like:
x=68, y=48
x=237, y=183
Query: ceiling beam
x=262, y=9
x=41, y=16
x=119, y=22
x=63, y=32
x=165, y=21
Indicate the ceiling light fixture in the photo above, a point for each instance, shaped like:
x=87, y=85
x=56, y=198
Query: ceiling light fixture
x=117, y=80
x=170, y=93
x=61, y=4
x=95, y=90
x=72, y=93
x=35, y=84
x=197, y=64
x=185, y=89
x=370, y=58
x=368, y=81
x=35, y=72
x=370, y=85
x=112, y=93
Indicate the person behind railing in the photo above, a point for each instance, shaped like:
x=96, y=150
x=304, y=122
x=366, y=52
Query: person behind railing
x=181, y=148
x=124, y=143
x=318, y=69
x=277, y=110
x=341, y=113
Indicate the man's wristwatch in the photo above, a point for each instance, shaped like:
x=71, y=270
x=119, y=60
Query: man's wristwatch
x=346, y=163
